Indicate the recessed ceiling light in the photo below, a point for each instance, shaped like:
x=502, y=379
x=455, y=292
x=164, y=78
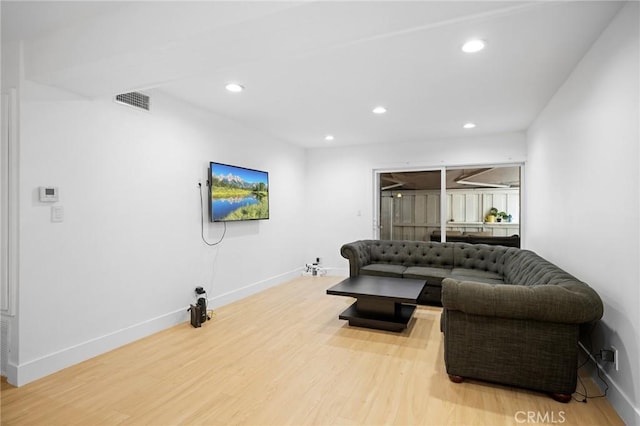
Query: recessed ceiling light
x=379, y=110
x=469, y=125
x=234, y=87
x=473, y=46
x=329, y=138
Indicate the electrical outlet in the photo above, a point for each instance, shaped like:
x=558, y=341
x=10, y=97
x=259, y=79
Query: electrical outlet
x=607, y=355
x=615, y=358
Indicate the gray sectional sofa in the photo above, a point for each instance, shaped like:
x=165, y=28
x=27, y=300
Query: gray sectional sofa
x=431, y=261
x=509, y=316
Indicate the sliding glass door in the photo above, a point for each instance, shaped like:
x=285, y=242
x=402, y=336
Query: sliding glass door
x=483, y=201
x=479, y=201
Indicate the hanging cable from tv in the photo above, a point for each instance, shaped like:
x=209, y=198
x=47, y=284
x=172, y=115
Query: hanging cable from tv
x=202, y=220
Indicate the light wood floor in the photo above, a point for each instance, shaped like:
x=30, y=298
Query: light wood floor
x=282, y=357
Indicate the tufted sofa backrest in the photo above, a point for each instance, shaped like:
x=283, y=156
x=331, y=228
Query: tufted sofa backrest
x=482, y=256
x=412, y=253
x=527, y=268
x=517, y=266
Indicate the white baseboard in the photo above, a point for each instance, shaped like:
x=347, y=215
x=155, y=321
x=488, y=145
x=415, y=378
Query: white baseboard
x=338, y=272
x=19, y=375
x=620, y=401
x=253, y=288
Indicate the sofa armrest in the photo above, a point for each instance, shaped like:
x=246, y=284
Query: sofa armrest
x=358, y=254
x=570, y=302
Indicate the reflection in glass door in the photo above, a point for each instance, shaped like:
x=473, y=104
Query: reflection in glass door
x=409, y=205
x=483, y=203
x=479, y=202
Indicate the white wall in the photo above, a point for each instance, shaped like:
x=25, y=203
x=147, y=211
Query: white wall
x=126, y=259
x=587, y=140
x=341, y=199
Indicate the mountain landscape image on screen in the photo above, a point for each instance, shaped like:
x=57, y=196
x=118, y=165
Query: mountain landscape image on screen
x=238, y=193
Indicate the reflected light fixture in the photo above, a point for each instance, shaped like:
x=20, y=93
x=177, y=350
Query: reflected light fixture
x=329, y=138
x=473, y=46
x=379, y=110
x=469, y=125
x=234, y=87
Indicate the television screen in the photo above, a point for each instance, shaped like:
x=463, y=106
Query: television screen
x=237, y=193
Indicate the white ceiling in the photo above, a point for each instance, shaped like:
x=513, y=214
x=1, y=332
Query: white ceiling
x=316, y=68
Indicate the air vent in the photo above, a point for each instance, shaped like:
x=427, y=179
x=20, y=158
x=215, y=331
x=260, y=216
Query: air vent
x=134, y=99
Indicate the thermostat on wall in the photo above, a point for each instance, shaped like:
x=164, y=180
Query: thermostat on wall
x=48, y=194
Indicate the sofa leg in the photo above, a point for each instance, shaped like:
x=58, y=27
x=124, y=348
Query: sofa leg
x=456, y=379
x=561, y=397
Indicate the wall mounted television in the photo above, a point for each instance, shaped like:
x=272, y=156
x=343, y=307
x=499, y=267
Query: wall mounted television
x=237, y=193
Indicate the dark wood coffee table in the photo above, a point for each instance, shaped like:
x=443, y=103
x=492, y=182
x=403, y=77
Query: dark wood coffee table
x=383, y=303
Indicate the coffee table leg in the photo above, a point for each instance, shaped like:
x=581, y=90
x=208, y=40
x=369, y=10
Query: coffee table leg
x=389, y=316
x=370, y=305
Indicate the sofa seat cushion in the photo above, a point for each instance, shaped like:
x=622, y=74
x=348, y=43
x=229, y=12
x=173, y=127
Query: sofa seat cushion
x=477, y=275
x=432, y=276
x=383, y=270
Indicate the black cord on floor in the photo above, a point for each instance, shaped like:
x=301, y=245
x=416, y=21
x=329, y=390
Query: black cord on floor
x=590, y=357
x=202, y=221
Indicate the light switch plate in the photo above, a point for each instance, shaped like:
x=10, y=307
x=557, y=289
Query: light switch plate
x=57, y=213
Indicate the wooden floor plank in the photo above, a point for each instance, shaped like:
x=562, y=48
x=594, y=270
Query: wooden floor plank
x=282, y=357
